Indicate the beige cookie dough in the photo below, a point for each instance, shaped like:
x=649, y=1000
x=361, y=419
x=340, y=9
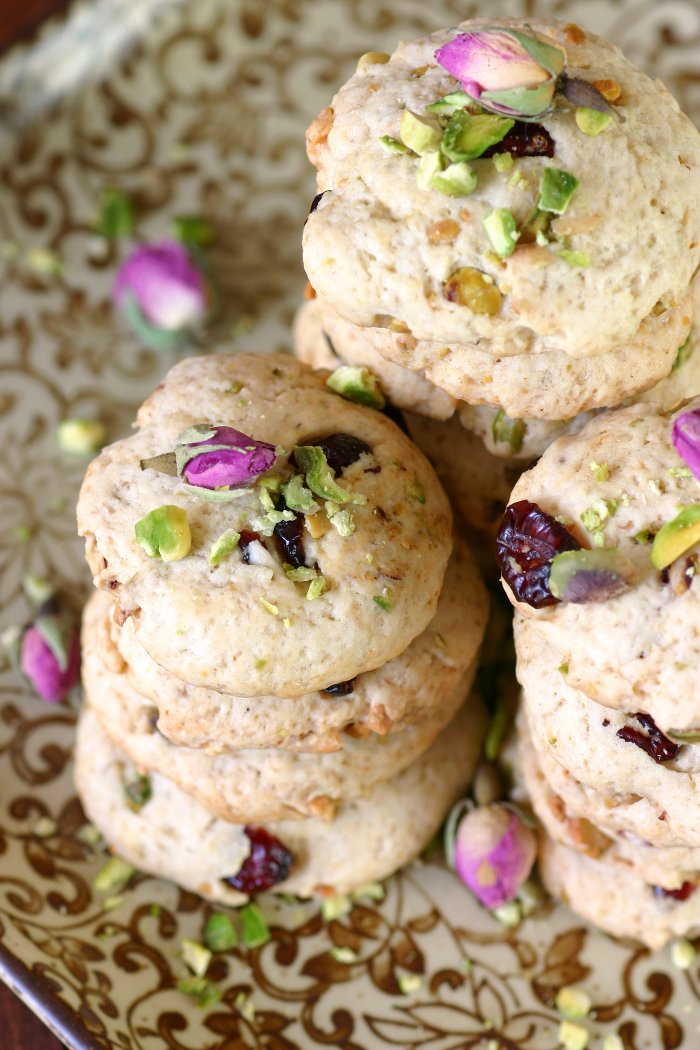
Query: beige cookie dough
x=248, y=629
x=175, y=837
x=369, y=248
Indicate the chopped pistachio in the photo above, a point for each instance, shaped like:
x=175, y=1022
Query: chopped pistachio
x=357, y=384
x=297, y=496
x=320, y=478
x=116, y=217
x=456, y=180
x=600, y=471
x=113, y=875
x=410, y=983
x=508, y=914
x=36, y=588
x=508, y=431
x=195, y=956
x=644, y=536
x=265, y=524
x=391, y=145
x=81, y=437
x=341, y=520
x=573, y=1036
x=89, y=835
x=384, y=600
x=575, y=258
x=563, y=668
x=541, y=238
x=417, y=491
x=557, y=187
x=468, y=136
x=316, y=588
x=472, y=288
x=573, y=1003
x=287, y=621
x=234, y=388
x=613, y=1041
x=595, y=516
x=335, y=907
x=155, y=911
x=223, y=546
x=683, y=953
x=502, y=162
x=164, y=533
x=676, y=537
x=466, y=965
x=449, y=104
x=112, y=902
x=44, y=261
x=219, y=933
x=205, y=992
x=372, y=58
x=254, y=929
x=260, y=663
x=680, y=472
x=193, y=231
x=269, y=607
x=418, y=134
x=137, y=790
x=683, y=354
x=373, y=891
x=518, y=180
x=45, y=827
x=344, y=955
x=502, y=231
x=302, y=574
x=428, y=167
x=592, y=121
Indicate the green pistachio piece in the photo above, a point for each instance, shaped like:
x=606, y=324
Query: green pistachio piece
x=502, y=231
x=113, y=875
x=137, y=790
x=316, y=588
x=419, y=135
x=222, y=547
x=341, y=520
x=468, y=136
x=254, y=929
x=357, y=384
x=297, y=496
x=594, y=517
x=164, y=533
x=428, y=167
x=474, y=289
x=676, y=537
x=385, y=599
x=592, y=121
x=502, y=162
x=574, y=258
x=193, y=231
x=265, y=523
x=219, y=933
x=390, y=145
x=557, y=187
x=508, y=431
x=449, y=104
x=573, y=1003
x=302, y=574
x=195, y=955
x=116, y=218
x=319, y=476
x=199, y=988
x=589, y=575
x=457, y=180
x=684, y=353
x=81, y=437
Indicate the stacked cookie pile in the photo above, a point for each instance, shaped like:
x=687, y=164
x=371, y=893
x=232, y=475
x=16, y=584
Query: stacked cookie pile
x=278, y=659
x=600, y=548
x=507, y=259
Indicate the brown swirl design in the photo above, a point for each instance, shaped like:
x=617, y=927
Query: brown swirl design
x=207, y=117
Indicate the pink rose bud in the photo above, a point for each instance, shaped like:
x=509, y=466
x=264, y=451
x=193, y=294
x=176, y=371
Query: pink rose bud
x=494, y=852
x=686, y=439
x=164, y=295
x=213, y=457
x=50, y=658
x=504, y=70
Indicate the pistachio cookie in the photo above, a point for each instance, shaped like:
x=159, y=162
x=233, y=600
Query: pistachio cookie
x=615, y=898
x=172, y=835
x=623, y=614
x=291, y=541
x=419, y=229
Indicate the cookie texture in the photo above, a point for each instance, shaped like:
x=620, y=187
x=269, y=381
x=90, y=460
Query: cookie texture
x=174, y=836
x=369, y=247
x=245, y=627
x=637, y=651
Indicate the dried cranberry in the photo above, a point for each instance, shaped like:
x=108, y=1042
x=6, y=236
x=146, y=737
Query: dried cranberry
x=290, y=541
x=247, y=537
x=527, y=541
x=654, y=742
x=341, y=688
x=316, y=201
x=524, y=140
x=681, y=894
x=267, y=864
x=341, y=450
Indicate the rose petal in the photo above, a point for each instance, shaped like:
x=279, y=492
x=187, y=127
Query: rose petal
x=167, y=286
x=237, y=465
x=686, y=439
x=40, y=665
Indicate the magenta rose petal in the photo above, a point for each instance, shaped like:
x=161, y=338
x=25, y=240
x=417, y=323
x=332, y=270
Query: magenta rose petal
x=686, y=439
x=228, y=458
x=42, y=666
x=494, y=852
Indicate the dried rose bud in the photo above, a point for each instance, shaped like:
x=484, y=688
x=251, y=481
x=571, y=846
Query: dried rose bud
x=494, y=851
x=163, y=293
x=686, y=439
x=212, y=457
x=504, y=70
x=50, y=657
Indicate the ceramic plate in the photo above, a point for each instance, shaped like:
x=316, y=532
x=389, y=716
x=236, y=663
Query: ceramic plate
x=206, y=115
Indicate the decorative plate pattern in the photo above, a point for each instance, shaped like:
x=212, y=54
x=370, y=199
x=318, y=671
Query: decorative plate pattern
x=206, y=115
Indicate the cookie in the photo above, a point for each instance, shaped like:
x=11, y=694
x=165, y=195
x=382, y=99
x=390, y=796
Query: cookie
x=614, y=898
x=639, y=650
x=383, y=251
x=249, y=786
x=174, y=836
x=244, y=626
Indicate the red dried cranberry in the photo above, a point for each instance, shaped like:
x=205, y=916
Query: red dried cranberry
x=524, y=140
x=316, y=201
x=247, y=537
x=527, y=541
x=681, y=894
x=267, y=864
x=341, y=688
x=290, y=541
x=341, y=450
x=654, y=742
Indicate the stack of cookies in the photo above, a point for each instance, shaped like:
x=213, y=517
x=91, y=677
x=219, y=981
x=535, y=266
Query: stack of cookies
x=607, y=636
x=277, y=663
x=503, y=277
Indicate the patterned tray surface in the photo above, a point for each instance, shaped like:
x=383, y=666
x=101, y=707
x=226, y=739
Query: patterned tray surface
x=206, y=115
